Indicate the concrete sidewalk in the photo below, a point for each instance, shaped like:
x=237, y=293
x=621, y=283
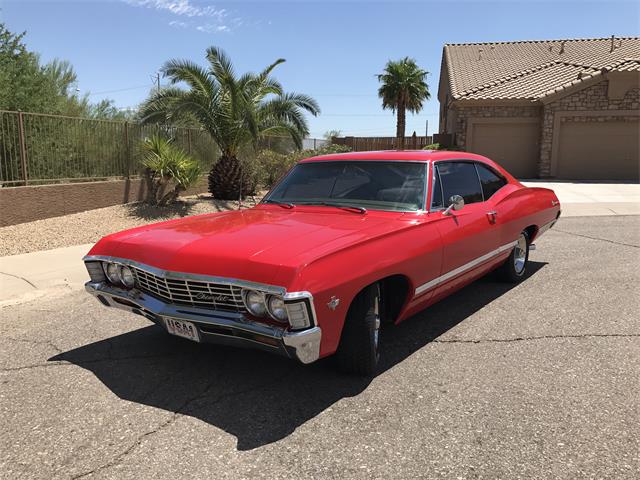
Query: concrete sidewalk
x=31, y=274
x=594, y=199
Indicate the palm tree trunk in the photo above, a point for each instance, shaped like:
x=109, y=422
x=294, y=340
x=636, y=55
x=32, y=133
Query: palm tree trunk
x=400, y=127
x=226, y=179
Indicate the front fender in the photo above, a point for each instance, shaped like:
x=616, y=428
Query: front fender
x=336, y=279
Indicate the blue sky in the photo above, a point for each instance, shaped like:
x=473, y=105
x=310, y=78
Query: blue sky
x=333, y=49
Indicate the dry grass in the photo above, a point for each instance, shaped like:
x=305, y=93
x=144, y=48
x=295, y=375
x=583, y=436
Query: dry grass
x=90, y=226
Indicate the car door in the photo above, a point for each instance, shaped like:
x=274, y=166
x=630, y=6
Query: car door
x=492, y=183
x=469, y=235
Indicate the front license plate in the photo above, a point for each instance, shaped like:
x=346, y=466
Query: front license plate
x=182, y=329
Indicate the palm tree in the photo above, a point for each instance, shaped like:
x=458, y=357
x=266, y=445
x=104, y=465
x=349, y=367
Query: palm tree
x=236, y=111
x=403, y=88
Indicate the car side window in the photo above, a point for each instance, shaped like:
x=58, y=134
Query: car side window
x=490, y=180
x=460, y=178
x=436, y=196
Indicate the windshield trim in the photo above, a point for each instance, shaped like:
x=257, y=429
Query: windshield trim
x=425, y=198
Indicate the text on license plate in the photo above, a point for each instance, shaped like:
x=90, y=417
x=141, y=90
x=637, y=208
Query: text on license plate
x=182, y=329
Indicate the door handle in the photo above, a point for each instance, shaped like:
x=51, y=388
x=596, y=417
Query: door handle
x=492, y=216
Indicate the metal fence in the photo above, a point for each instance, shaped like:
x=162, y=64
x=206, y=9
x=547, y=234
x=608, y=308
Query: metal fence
x=38, y=149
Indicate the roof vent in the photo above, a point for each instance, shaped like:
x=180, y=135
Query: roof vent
x=562, y=47
x=480, y=54
x=613, y=43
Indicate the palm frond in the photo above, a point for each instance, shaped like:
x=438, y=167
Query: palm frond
x=189, y=72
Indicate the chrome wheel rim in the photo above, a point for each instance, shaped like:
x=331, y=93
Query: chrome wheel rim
x=520, y=254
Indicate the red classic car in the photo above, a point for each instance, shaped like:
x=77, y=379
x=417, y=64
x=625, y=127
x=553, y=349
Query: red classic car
x=340, y=245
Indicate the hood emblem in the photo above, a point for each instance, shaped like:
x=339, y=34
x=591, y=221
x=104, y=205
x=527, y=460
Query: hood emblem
x=333, y=303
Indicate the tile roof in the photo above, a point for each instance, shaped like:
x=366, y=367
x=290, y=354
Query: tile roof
x=534, y=69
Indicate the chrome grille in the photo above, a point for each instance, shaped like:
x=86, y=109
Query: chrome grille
x=194, y=293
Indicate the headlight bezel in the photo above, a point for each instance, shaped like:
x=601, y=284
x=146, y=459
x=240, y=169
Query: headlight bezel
x=260, y=301
x=121, y=272
x=284, y=315
x=112, y=276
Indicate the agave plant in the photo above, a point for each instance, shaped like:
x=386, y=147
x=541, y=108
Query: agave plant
x=169, y=170
x=235, y=110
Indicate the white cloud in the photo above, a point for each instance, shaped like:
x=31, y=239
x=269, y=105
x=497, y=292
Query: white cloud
x=211, y=28
x=218, y=21
x=181, y=8
x=177, y=24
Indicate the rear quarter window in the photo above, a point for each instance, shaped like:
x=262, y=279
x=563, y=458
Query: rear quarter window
x=460, y=178
x=490, y=180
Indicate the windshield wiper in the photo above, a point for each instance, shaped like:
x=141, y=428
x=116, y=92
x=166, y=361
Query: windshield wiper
x=337, y=205
x=280, y=204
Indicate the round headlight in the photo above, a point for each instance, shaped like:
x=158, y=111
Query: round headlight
x=126, y=277
x=112, y=273
x=254, y=301
x=277, y=310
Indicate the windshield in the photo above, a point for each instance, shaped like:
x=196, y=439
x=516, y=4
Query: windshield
x=380, y=185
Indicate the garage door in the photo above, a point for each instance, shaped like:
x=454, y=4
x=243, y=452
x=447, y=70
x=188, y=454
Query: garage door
x=599, y=151
x=514, y=145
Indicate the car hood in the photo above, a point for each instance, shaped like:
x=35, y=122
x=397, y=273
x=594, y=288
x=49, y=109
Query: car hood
x=251, y=244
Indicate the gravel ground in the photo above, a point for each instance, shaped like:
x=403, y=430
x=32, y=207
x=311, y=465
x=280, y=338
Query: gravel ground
x=92, y=225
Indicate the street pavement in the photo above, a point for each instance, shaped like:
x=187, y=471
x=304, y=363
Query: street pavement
x=540, y=380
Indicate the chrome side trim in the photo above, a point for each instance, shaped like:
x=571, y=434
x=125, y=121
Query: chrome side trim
x=189, y=276
x=463, y=268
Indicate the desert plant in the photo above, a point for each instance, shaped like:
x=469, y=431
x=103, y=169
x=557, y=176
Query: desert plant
x=437, y=146
x=403, y=88
x=168, y=170
x=331, y=134
x=273, y=165
x=235, y=110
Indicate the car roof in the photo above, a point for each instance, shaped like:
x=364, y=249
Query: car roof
x=397, y=155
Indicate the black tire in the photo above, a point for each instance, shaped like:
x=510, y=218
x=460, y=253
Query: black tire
x=512, y=271
x=358, y=351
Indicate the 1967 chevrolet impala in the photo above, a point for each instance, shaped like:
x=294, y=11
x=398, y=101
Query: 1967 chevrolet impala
x=340, y=245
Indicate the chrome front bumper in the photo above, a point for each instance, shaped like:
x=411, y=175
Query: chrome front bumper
x=219, y=327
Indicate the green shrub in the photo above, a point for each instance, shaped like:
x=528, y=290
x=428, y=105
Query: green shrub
x=168, y=170
x=437, y=146
x=273, y=165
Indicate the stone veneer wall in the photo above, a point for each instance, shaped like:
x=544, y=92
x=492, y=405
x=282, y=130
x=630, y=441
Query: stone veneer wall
x=591, y=98
x=463, y=114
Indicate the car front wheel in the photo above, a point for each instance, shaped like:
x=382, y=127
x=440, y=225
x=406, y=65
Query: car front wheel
x=515, y=267
x=358, y=352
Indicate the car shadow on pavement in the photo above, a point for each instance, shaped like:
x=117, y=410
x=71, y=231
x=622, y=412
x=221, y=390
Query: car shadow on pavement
x=257, y=397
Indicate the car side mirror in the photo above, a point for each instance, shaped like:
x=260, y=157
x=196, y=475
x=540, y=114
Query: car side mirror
x=456, y=202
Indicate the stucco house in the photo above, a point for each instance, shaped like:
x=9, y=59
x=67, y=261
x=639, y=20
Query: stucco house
x=566, y=109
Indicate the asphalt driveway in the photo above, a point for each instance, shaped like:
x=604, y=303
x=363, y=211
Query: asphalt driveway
x=537, y=381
